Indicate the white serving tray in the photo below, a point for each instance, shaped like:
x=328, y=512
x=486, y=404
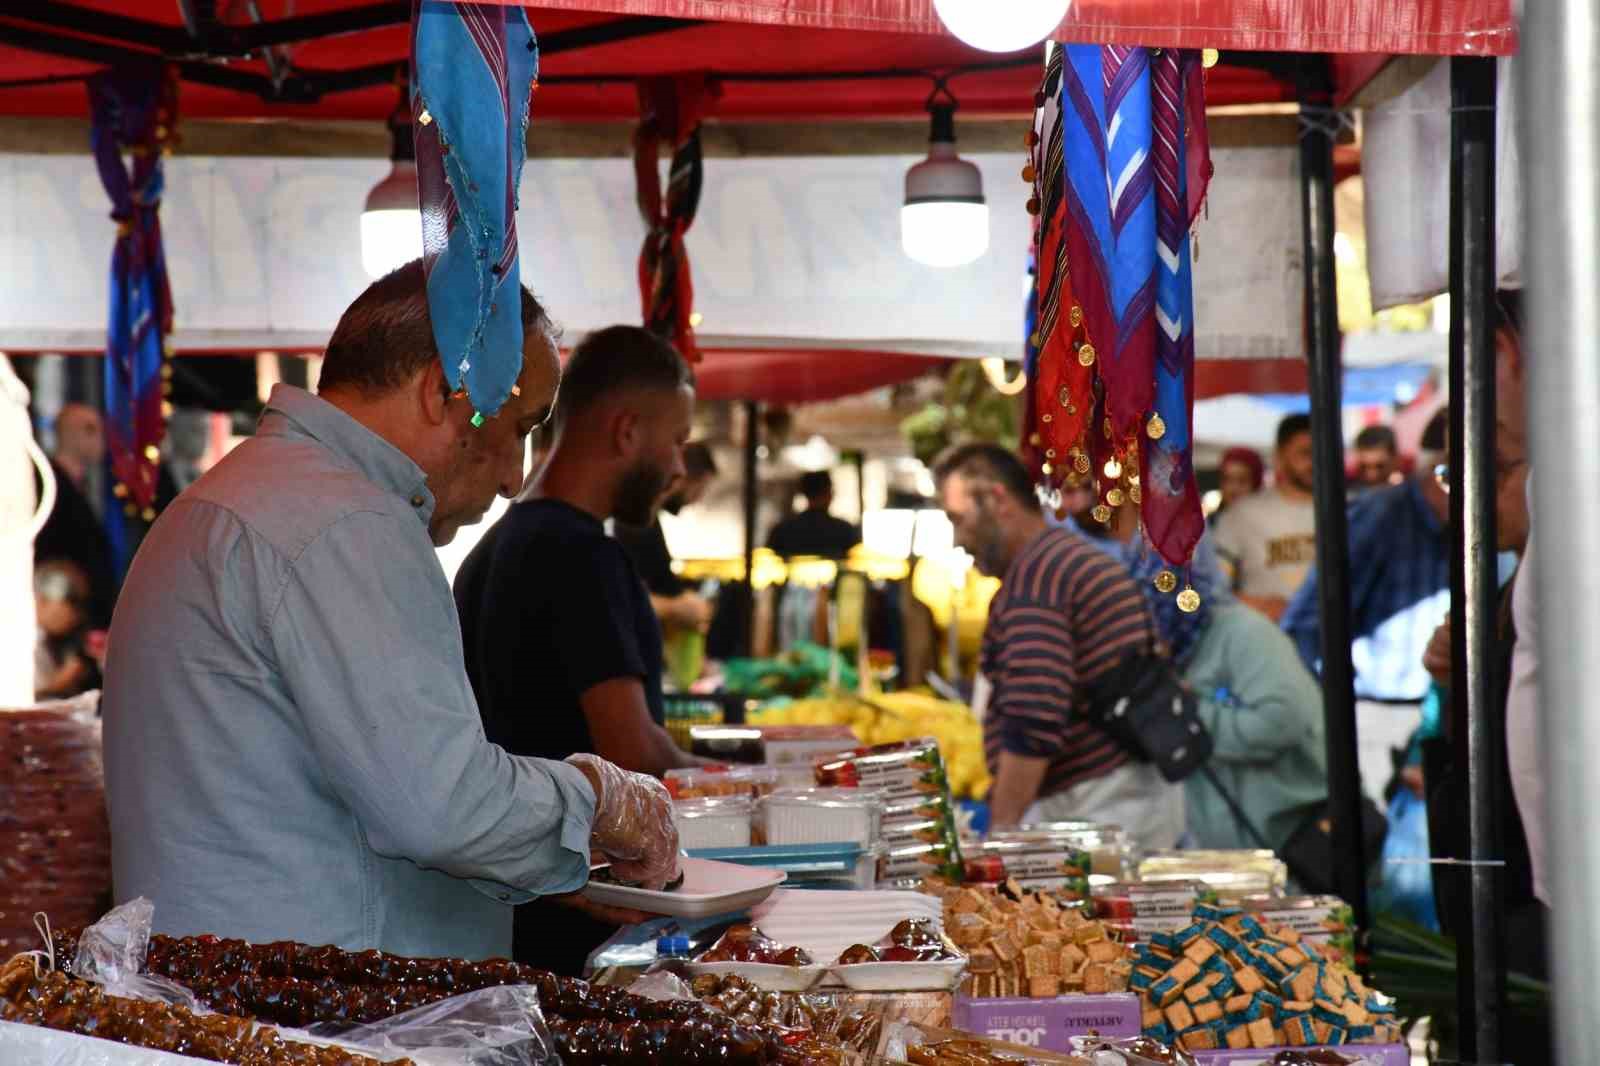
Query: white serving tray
x=767, y=976
x=939, y=976
x=709, y=888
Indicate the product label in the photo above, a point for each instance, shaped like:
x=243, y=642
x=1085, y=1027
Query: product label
x=1049, y=1024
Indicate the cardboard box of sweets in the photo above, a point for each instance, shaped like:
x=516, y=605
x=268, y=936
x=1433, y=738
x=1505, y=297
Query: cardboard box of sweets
x=1049, y=1023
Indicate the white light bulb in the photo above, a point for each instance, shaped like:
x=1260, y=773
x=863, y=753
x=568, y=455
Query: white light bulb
x=391, y=224
x=1001, y=25
x=944, y=234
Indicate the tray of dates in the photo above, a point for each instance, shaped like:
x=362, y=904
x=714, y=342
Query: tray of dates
x=914, y=957
x=708, y=888
x=745, y=951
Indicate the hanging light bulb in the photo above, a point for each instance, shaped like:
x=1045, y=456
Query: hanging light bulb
x=1001, y=25
x=945, y=221
x=391, y=221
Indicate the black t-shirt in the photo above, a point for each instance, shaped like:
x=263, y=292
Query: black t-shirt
x=813, y=532
x=550, y=607
x=647, y=547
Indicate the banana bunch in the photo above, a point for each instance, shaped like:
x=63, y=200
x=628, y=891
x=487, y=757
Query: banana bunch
x=893, y=717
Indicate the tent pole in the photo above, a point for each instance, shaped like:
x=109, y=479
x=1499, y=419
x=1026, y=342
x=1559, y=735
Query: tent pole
x=1474, y=584
x=1317, y=129
x=1560, y=124
x=749, y=495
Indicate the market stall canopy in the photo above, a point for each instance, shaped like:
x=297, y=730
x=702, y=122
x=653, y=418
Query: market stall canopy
x=340, y=58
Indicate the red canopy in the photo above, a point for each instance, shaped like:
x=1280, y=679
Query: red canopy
x=777, y=58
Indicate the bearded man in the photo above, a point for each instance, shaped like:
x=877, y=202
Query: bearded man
x=1066, y=615
x=563, y=648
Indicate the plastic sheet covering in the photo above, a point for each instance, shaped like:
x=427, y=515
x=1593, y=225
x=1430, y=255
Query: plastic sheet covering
x=1405, y=167
x=1427, y=27
x=500, y=1026
x=47, y=1047
x=55, y=845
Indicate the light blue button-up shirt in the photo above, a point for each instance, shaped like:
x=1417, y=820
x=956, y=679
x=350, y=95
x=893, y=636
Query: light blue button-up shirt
x=292, y=748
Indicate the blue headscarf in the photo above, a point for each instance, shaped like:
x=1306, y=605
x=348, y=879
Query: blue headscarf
x=1180, y=631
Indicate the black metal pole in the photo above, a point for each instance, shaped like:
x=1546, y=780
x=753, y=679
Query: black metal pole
x=1474, y=578
x=747, y=598
x=1318, y=125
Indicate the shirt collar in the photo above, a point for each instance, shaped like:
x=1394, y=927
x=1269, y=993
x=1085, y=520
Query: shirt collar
x=292, y=411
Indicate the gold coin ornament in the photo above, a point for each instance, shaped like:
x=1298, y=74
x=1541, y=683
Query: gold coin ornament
x=1113, y=469
x=1080, y=463
x=1209, y=57
x=1075, y=316
x=1133, y=492
x=1156, y=427
x=1065, y=397
x=1047, y=418
x=1101, y=514
x=1115, y=498
x=1086, y=355
x=1046, y=468
x=1188, y=601
x=1166, y=581
x=1033, y=439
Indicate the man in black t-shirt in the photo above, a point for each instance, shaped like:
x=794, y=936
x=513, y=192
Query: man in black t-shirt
x=562, y=645
x=814, y=531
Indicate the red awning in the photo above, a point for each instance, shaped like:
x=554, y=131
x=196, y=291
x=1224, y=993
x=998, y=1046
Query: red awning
x=777, y=58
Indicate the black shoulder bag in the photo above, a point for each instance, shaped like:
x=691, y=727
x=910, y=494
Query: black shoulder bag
x=1143, y=705
x=1308, y=853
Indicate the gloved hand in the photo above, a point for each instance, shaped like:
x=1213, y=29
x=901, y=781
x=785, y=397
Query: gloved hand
x=633, y=824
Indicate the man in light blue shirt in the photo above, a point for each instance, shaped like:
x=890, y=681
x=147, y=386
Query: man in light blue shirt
x=292, y=748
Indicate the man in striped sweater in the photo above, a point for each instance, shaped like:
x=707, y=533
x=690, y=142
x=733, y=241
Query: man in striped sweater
x=1065, y=615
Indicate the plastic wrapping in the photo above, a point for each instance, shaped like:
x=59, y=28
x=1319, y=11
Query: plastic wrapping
x=1135, y=1051
x=499, y=1026
x=111, y=953
x=633, y=824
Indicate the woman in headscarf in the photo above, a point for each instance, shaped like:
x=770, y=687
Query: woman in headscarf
x=1241, y=473
x=1261, y=706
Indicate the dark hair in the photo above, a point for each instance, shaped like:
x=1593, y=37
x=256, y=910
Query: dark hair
x=979, y=459
x=610, y=360
x=1378, y=437
x=1437, y=431
x=814, y=484
x=385, y=338
x=698, y=461
x=1291, y=427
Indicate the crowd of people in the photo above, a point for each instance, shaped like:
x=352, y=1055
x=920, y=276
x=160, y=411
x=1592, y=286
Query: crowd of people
x=290, y=642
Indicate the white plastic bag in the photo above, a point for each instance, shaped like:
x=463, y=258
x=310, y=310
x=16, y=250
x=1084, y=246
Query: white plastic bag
x=499, y=1026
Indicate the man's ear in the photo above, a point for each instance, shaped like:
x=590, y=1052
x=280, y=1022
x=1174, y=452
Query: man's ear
x=626, y=431
x=433, y=393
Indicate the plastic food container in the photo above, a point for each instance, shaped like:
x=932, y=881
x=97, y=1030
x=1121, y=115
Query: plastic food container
x=1230, y=874
x=696, y=783
x=821, y=816
x=721, y=822
x=1110, y=849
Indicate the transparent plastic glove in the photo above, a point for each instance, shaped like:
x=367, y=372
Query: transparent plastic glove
x=633, y=824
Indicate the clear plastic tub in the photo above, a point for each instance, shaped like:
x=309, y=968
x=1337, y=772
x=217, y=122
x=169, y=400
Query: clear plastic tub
x=1230, y=874
x=1109, y=846
x=720, y=822
x=698, y=783
x=821, y=816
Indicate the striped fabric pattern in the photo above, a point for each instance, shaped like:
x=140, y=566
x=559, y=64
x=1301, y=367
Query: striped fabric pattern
x=1066, y=614
x=473, y=67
